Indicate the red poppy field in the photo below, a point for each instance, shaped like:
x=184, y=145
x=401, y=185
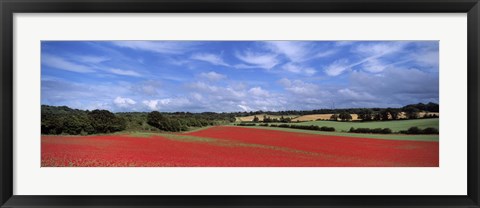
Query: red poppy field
x=228, y=146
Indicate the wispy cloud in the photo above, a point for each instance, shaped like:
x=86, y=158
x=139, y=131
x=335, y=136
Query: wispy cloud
x=124, y=72
x=338, y=67
x=212, y=76
x=283, y=75
x=63, y=64
x=258, y=60
x=91, y=59
x=372, y=53
x=293, y=68
x=165, y=47
x=210, y=58
x=294, y=50
x=298, y=51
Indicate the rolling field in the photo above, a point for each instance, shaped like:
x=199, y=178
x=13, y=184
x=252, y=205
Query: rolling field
x=396, y=125
x=426, y=137
x=228, y=146
x=314, y=117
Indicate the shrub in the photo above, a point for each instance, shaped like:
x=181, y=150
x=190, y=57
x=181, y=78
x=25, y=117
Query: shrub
x=373, y=131
x=430, y=130
x=386, y=131
x=414, y=130
x=246, y=124
x=324, y=128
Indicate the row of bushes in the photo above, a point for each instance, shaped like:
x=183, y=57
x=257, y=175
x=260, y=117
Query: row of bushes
x=371, y=131
x=416, y=130
x=248, y=124
x=411, y=130
x=311, y=127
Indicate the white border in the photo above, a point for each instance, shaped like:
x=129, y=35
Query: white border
x=448, y=179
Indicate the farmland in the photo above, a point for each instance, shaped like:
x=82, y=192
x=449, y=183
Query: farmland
x=396, y=125
x=230, y=146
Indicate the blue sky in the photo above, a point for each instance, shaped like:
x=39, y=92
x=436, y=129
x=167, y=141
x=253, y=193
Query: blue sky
x=226, y=76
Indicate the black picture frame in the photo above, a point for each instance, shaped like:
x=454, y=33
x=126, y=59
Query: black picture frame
x=9, y=7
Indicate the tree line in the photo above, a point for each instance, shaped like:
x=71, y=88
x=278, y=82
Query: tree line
x=65, y=120
x=428, y=107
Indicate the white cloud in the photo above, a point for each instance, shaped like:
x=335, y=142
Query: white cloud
x=124, y=102
x=294, y=50
x=212, y=76
x=337, y=67
x=151, y=104
x=298, y=69
x=374, y=66
x=325, y=53
x=91, y=59
x=124, y=72
x=197, y=96
x=379, y=49
x=258, y=91
x=210, y=58
x=285, y=82
x=297, y=51
x=166, y=104
x=244, y=107
x=344, y=43
x=203, y=87
x=165, y=47
x=60, y=63
x=299, y=87
x=372, y=53
x=258, y=60
x=349, y=94
x=428, y=58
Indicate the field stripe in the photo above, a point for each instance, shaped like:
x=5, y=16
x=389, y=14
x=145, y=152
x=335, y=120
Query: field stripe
x=432, y=138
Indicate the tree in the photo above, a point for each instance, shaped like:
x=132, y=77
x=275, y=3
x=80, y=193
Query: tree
x=334, y=117
x=104, y=121
x=255, y=119
x=156, y=119
x=411, y=112
x=344, y=116
x=365, y=114
x=384, y=114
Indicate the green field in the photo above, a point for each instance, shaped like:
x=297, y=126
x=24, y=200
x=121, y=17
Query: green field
x=395, y=126
x=372, y=136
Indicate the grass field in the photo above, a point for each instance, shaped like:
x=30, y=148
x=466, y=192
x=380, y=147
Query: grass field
x=395, y=126
x=355, y=135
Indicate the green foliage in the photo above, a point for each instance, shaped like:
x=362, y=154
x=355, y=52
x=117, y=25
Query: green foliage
x=371, y=131
x=411, y=112
x=334, y=117
x=64, y=120
x=104, y=121
x=416, y=130
x=311, y=127
x=247, y=124
x=395, y=125
x=345, y=116
x=366, y=115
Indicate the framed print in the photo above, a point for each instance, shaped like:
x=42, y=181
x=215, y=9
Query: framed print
x=247, y=104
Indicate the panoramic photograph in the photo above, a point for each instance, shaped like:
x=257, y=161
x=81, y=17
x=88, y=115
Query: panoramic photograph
x=281, y=103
